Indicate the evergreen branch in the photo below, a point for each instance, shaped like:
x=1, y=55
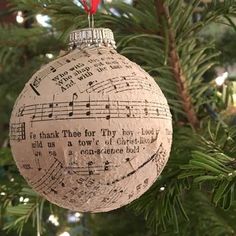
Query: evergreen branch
x=207, y=220
x=178, y=74
x=201, y=163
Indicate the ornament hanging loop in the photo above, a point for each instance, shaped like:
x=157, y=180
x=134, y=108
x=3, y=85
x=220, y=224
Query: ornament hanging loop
x=91, y=11
x=92, y=23
x=89, y=23
x=90, y=20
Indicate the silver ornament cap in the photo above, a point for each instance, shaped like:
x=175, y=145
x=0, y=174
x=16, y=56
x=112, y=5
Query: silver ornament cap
x=90, y=37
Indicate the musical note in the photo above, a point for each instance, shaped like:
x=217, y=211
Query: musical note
x=127, y=83
x=90, y=86
x=54, y=191
x=90, y=164
x=71, y=104
x=128, y=111
x=88, y=113
x=64, y=61
x=34, y=114
x=74, y=96
x=145, y=109
x=88, y=105
x=51, y=113
x=114, y=85
x=107, y=107
x=90, y=83
x=53, y=69
x=106, y=166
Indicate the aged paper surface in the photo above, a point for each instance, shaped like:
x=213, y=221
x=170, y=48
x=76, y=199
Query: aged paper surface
x=91, y=131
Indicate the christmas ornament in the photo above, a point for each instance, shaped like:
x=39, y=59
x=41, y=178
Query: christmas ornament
x=91, y=131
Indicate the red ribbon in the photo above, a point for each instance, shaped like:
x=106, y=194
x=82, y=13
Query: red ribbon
x=93, y=6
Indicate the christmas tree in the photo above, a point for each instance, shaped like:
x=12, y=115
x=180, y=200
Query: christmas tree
x=188, y=47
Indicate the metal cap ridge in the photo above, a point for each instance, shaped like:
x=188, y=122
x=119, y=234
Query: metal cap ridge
x=89, y=37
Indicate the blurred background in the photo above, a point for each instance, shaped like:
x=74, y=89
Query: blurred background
x=32, y=33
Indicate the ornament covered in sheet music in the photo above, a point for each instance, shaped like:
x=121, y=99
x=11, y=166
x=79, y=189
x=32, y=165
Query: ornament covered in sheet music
x=91, y=131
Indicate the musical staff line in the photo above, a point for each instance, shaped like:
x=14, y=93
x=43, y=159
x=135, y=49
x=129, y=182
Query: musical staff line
x=120, y=84
x=90, y=169
x=50, y=178
x=93, y=109
x=56, y=65
x=51, y=69
x=112, y=197
x=152, y=158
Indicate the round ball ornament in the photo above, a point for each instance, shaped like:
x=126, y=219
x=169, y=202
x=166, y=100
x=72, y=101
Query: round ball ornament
x=91, y=131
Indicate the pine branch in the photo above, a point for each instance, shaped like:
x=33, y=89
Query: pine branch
x=174, y=61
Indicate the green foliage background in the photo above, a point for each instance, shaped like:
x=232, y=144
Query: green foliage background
x=199, y=179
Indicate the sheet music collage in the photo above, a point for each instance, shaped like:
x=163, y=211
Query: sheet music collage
x=96, y=130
